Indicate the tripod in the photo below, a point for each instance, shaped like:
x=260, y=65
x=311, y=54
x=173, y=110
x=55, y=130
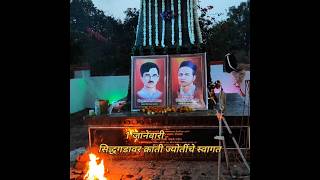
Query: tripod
x=221, y=138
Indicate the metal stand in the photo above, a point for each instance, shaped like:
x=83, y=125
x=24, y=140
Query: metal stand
x=247, y=87
x=246, y=99
x=221, y=138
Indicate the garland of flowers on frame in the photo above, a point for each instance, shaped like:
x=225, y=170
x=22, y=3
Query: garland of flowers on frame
x=163, y=24
x=150, y=25
x=172, y=23
x=137, y=32
x=156, y=21
x=144, y=24
x=179, y=23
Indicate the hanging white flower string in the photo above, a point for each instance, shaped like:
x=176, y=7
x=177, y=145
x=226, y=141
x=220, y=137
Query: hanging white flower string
x=188, y=16
x=137, y=30
x=198, y=26
x=192, y=22
x=172, y=22
x=179, y=23
x=163, y=24
x=150, y=25
x=144, y=24
x=156, y=21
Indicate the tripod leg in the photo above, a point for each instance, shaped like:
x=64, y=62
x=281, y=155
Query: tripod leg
x=226, y=153
x=219, y=155
x=236, y=144
x=224, y=148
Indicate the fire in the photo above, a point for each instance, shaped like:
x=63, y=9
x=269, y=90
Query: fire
x=95, y=171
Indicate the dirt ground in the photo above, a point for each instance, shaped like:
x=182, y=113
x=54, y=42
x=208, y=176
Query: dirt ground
x=170, y=170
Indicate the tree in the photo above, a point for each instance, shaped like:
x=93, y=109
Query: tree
x=230, y=34
x=93, y=37
x=127, y=39
x=239, y=17
x=106, y=43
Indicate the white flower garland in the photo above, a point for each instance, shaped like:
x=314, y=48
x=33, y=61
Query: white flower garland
x=163, y=24
x=172, y=23
x=144, y=24
x=189, y=23
x=192, y=22
x=156, y=20
x=179, y=22
x=150, y=25
x=198, y=26
x=137, y=32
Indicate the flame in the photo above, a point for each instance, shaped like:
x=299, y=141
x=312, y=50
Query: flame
x=95, y=171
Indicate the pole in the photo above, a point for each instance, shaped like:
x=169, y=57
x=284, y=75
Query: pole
x=219, y=155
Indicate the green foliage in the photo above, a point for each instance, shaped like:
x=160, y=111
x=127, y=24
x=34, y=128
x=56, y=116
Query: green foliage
x=109, y=55
x=232, y=34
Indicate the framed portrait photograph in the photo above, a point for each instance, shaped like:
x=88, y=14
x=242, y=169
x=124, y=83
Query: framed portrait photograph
x=148, y=81
x=187, y=81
